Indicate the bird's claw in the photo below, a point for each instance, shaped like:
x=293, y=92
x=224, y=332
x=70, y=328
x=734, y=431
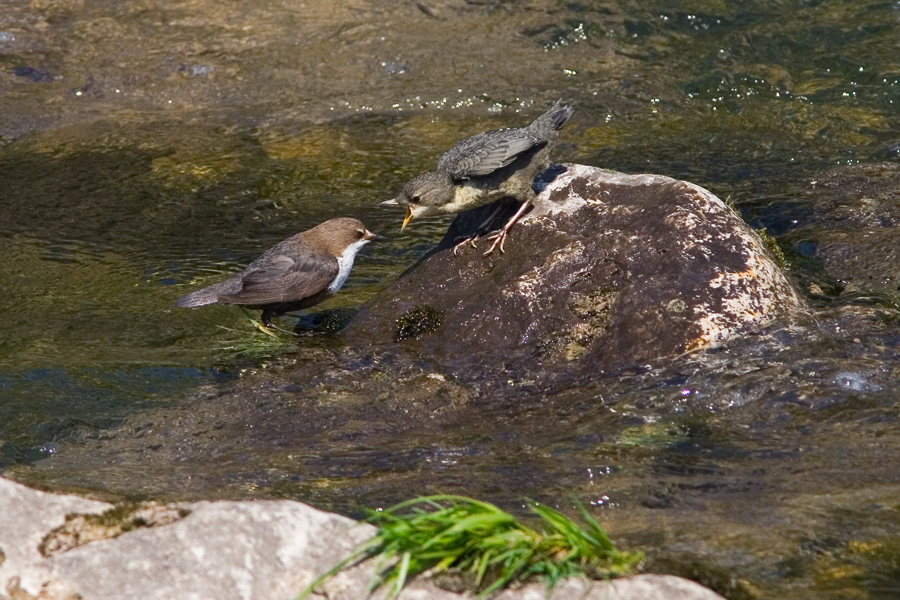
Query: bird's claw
x=498, y=238
x=469, y=240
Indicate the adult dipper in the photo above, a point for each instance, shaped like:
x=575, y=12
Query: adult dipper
x=484, y=168
x=297, y=273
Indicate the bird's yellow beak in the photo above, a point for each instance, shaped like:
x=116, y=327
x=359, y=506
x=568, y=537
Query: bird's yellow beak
x=409, y=216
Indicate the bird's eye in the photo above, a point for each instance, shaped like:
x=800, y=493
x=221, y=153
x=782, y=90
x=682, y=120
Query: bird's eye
x=415, y=199
x=360, y=233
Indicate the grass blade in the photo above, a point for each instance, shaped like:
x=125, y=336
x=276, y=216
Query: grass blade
x=484, y=544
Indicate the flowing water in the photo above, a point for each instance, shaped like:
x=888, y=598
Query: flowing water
x=148, y=148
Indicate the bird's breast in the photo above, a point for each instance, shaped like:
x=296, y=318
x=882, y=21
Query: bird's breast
x=345, y=263
x=466, y=196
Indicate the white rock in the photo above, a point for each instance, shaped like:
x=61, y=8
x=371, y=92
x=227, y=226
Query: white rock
x=223, y=550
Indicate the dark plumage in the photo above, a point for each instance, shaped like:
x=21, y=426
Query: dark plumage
x=297, y=273
x=484, y=168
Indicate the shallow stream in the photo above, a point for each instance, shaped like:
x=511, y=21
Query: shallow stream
x=148, y=148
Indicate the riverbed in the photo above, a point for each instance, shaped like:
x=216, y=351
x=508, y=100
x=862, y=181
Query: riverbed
x=149, y=148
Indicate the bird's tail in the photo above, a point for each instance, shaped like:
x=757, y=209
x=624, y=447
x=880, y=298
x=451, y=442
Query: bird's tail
x=208, y=295
x=552, y=120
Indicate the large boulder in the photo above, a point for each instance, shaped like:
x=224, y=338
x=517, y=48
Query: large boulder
x=608, y=270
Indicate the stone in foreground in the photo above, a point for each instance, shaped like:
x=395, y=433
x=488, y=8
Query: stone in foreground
x=252, y=550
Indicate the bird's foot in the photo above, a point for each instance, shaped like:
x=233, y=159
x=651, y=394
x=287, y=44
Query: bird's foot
x=469, y=240
x=498, y=238
x=264, y=325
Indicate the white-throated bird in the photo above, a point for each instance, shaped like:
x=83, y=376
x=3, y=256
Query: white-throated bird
x=297, y=273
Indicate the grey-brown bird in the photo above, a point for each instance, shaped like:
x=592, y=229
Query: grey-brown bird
x=297, y=273
x=484, y=168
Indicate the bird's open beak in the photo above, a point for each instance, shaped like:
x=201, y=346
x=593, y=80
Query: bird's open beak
x=409, y=214
x=408, y=217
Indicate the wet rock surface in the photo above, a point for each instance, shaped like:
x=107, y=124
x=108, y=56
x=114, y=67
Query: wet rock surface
x=853, y=239
x=221, y=550
x=608, y=271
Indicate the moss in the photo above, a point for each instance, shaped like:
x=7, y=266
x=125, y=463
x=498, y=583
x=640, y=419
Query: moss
x=676, y=306
x=871, y=296
x=649, y=435
x=848, y=567
x=889, y=317
x=80, y=529
x=774, y=249
x=593, y=310
x=417, y=321
x=715, y=578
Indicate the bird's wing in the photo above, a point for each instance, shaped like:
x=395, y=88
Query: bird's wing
x=276, y=277
x=485, y=153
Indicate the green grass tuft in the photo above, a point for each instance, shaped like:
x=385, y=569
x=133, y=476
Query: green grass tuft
x=487, y=546
x=255, y=344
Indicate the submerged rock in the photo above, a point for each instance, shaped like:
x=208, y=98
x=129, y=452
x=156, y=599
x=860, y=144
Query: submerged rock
x=849, y=229
x=608, y=270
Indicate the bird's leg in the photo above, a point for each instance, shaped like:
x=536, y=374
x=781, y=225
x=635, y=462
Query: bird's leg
x=479, y=231
x=263, y=323
x=487, y=223
x=500, y=236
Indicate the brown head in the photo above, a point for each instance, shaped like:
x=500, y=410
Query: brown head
x=337, y=235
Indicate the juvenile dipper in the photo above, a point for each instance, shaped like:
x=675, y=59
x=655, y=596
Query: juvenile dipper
x=484, y=168
x=297, y=273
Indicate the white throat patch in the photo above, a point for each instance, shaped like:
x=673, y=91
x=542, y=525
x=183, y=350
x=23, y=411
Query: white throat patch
x=345, y=263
